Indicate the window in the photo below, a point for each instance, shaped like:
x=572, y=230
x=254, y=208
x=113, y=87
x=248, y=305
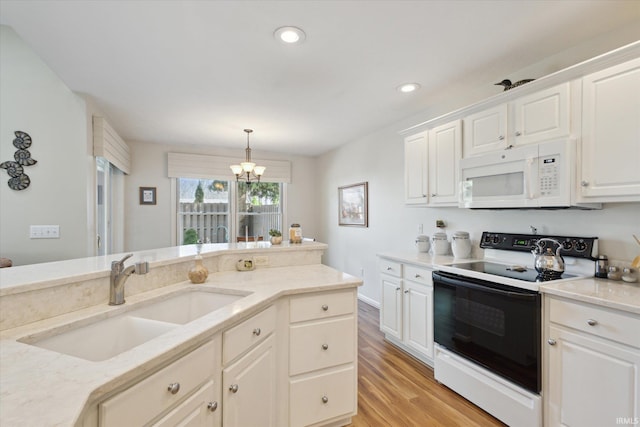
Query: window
x=215, y=211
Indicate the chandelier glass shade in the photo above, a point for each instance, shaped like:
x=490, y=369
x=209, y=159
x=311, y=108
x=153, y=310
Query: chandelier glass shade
x=248, y=171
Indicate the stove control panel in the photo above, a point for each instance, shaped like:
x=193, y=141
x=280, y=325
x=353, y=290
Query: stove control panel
x=577, y=247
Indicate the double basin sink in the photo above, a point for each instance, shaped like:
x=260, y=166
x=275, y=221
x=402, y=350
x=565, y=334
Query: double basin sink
x=106, y=338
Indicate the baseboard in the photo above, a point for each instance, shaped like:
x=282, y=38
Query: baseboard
x=370, y=301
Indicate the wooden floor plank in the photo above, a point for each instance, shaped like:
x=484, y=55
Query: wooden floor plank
x=396, y=390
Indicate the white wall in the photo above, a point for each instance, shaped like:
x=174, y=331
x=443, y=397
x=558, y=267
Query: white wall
x=150, y=226
x=378, y=159
x=36, y=101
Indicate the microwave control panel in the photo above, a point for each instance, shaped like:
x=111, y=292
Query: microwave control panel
x=577, y=247
x=548, y=174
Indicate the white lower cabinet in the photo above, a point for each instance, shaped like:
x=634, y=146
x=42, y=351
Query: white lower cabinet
x=322, y=358
x=406, y=312
x=186, y=391
x=592, y=359
x=249, y=372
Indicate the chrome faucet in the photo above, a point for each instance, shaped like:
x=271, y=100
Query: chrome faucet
x=119, y=275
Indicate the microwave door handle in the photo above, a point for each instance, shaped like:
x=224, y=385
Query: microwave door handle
x=528, y=178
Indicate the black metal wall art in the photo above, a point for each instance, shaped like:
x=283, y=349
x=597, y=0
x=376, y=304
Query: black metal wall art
x=19, y=180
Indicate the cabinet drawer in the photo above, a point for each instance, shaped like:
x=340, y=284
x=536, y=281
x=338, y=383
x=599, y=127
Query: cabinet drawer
x=321, y=344
x=198, y=410
x=240, y=338
x=322, y=397
x=601, y=322
x=392, y=268
x=418, y=274
x=321, y=305
x=150, y=397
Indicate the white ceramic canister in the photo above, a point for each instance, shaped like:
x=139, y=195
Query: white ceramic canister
x=422, y=243
x=461, y=245
x=440, y=243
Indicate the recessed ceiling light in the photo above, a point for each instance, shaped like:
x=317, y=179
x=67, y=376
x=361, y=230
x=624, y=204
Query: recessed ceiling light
x=408, y=87
x=289, y=35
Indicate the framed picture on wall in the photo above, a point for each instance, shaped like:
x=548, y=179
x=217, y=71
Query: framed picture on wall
x=353, y=205
x=147, y=195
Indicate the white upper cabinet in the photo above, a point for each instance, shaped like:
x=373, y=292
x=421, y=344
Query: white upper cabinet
x=445, y=151
x=415, y=169
x=610, y=157
x=540, y=116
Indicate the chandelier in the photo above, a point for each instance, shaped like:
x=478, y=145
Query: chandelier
x=247, y=169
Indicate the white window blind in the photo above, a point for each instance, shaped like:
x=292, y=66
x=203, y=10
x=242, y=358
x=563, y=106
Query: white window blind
x=181, y=165
x=108, y=144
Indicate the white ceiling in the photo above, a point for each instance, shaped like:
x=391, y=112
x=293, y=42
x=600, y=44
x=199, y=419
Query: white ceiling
x=198, y=72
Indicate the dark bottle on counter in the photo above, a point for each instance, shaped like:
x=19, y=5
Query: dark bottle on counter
x=602, y=267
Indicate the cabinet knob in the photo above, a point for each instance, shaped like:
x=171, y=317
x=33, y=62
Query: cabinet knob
x=233, y=388
x=174, y=388
x=212, y=406
x=389, y=268
x=418, y=276
x=398, y=288
x=501, y=137
x=325, y=346
x=584, y=183
x=325, y=399
x=257, y=332
x=592, y=322
x=407, y=291
x=508, y=147
x=551, y=341
x=518, y=133
x=325, y=307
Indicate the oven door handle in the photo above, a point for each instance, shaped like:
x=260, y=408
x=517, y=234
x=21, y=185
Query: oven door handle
x=470, y=285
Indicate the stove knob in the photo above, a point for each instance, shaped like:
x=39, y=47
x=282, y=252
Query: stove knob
x=567, y=245
x=581, y=245
x=496, y=240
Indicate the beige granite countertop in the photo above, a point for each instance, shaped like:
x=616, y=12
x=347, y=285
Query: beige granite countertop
x=613, y=294
x=45, y=388
x=419, y=258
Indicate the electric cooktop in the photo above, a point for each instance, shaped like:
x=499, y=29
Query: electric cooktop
x=512, y=271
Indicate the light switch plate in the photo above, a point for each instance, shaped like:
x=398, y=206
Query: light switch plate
x=44, y=232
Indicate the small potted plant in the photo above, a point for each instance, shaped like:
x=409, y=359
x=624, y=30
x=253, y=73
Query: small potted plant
x=276, y=236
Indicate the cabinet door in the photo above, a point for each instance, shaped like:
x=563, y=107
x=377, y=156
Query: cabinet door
x=485, y=131
x=249, y=388
x=611, y=134
x=391, y=307
x=199, y=410
x=415, y=169
x=445, y=151
x=418, y=317
x=591, y=381
x=542, y=115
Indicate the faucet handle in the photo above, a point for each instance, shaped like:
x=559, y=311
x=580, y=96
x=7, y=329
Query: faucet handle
x=121, y=262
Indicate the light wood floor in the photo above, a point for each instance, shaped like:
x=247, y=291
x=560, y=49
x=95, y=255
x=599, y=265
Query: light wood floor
x=396, y=390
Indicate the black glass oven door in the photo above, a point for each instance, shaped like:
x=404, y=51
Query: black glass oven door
x=496, y=326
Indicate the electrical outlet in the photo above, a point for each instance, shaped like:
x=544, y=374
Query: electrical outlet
x=261, y=261
x=440, y=223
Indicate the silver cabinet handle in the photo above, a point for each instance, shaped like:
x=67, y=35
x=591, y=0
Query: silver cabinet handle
x=551, y=341
x=174, y=388
x=325, y=399
x=233, y=388
x=501, y=137
x=257, y=332
x=584, y=183
x=518, y=133
x=325, y=346
x=325, y=307
x=212, y=406
x=592, y=322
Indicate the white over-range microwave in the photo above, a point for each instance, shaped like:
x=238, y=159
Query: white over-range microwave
x=532, y=176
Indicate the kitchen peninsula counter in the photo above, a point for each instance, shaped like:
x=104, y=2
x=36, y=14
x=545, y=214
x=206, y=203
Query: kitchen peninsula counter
x=42, y=387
